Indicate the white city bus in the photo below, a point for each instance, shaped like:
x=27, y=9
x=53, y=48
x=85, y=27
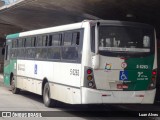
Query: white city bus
x=91, y=62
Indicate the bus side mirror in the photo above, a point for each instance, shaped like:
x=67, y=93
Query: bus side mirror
x=95, y=61
x=3, y=51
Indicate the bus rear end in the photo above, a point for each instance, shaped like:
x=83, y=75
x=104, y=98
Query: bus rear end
x=124, y=65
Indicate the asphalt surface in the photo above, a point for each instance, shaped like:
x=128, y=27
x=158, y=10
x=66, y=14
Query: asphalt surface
x=29, y=102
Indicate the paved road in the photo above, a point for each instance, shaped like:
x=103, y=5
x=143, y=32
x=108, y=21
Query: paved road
x=26, y=101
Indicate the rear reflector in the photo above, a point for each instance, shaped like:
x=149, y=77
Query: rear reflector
x=139, y=95
x=104, y=95
x=119, y=86
x=125, y=86
x=123, y=58
x=122, y=86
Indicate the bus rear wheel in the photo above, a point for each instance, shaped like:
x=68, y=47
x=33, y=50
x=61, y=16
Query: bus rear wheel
x=14, y=89
x=48, y=102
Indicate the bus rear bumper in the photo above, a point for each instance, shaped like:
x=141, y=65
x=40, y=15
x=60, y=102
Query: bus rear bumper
x=92, y=96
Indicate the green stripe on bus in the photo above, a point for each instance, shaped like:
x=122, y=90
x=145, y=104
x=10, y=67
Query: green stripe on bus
x=7, y=70
x=11, y=36
x=139, y=72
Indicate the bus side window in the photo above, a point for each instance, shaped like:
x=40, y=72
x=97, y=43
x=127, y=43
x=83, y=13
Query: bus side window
x=28, y=42
x=70, y=53
x=20, y=43
x=50, y=40
x=14, y=43
x=41, y=53
x=24, y=42
x=39, y=41
x=56, y=40
x=45, y=40
x=93, y=38
x=33, y=41
x=13, y=52
x=54, y=53
x=76, y=37
x=67, y=39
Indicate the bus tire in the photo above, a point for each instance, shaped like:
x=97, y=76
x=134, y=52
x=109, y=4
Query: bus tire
x=14, y=89
x=48, y=102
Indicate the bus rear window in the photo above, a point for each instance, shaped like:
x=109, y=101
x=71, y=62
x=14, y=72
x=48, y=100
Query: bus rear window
x=125, y=40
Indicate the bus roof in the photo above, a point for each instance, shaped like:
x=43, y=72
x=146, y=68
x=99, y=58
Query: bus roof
x=11, y=36
x=46, y=30
x=70, y=27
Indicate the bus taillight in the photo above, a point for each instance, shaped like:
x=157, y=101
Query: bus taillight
x=89, y=78
x=89, y=71
x=153, y=79
x=90, y=84
x=154, y=72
